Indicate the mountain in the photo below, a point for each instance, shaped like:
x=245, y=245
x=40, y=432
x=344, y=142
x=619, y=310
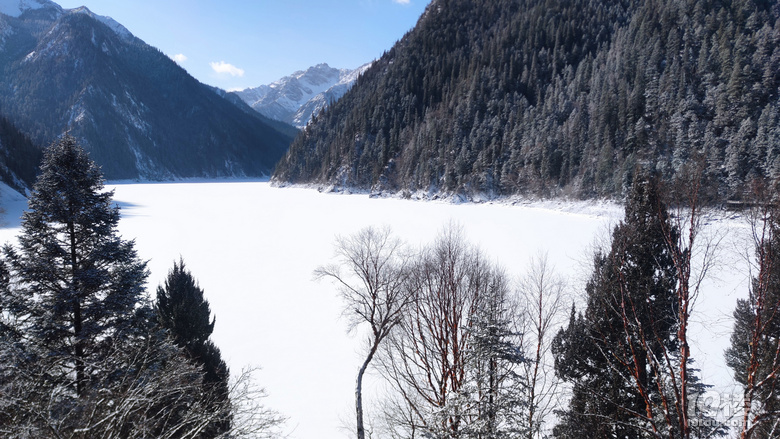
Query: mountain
x=558, y=97
x=295, y=99
x=136, y=111
x=283, y=127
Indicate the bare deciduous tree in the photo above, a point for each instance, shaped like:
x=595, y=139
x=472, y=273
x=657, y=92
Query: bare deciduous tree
x=754, y=354
x=251, y=418
x=542, y=294
x=629, y=357
x=452, y=360
x=694, y=254
x=370, y=272
x=137, y=391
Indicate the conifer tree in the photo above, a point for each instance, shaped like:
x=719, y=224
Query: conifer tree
x=183, y=310
x=78, y=281
x=629, y=319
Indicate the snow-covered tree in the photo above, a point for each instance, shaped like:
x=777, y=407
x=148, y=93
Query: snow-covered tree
x=79, y=284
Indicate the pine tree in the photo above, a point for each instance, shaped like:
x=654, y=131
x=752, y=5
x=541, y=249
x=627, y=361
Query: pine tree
x=80, y=284
x=183, y=310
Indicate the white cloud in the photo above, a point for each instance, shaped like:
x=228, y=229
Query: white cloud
x=223, y=67
x=401, y=2
x=179, y=58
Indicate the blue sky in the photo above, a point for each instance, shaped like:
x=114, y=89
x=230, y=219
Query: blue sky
x=236, y=44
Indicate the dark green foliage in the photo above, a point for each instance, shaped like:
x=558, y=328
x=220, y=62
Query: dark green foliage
x=182, y=309
x=557, y=97
x=184, y=312
x=79, y=283
x=630, y=317
x=136, y=111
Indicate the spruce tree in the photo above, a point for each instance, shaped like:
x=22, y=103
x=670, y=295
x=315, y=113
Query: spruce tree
x=183, y=310
x=78, y=282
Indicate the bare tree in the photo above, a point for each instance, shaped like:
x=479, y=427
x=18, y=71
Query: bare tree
x=542, y=294
x=370, y=274
x=453, y=358
x=662, y=371
x=692, y=249
x=251, y=418
x=138, y=391
x=754, y=354
x=629, y=356
x=694, y=254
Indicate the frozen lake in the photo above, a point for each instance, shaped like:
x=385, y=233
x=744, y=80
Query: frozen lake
x=254, y=247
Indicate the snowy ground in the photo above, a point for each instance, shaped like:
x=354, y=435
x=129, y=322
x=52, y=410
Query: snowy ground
x=254, y=248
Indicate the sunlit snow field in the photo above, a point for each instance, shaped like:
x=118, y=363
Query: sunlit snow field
x=254, y=247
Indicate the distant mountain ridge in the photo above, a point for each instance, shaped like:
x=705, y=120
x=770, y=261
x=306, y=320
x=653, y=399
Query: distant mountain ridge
x=138, y=113
x=296, y=98
x=558, y=98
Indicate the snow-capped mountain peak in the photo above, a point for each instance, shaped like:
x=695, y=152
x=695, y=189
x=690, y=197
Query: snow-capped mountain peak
x=15, y=8
x=300, y=87
x=296, y=98
x=108, y=21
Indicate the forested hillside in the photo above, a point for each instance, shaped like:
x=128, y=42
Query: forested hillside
x=19, y=157
x=558, y=97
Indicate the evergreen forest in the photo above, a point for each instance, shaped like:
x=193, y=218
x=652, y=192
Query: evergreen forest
x=558, y=98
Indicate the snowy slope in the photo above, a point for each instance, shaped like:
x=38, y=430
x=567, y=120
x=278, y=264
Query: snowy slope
x=295, y=98
x=262, y=244
x=108, y=21
x=15, y=8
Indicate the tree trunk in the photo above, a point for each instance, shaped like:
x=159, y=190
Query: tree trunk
x=361, y=431
x=77, y=319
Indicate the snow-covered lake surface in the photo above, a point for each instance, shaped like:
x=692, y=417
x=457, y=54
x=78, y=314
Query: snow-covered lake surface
x=254, y=247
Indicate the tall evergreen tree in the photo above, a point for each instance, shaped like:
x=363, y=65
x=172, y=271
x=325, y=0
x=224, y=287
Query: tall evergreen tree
x=183, y=310
x=630, y=318
x=79, y=282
